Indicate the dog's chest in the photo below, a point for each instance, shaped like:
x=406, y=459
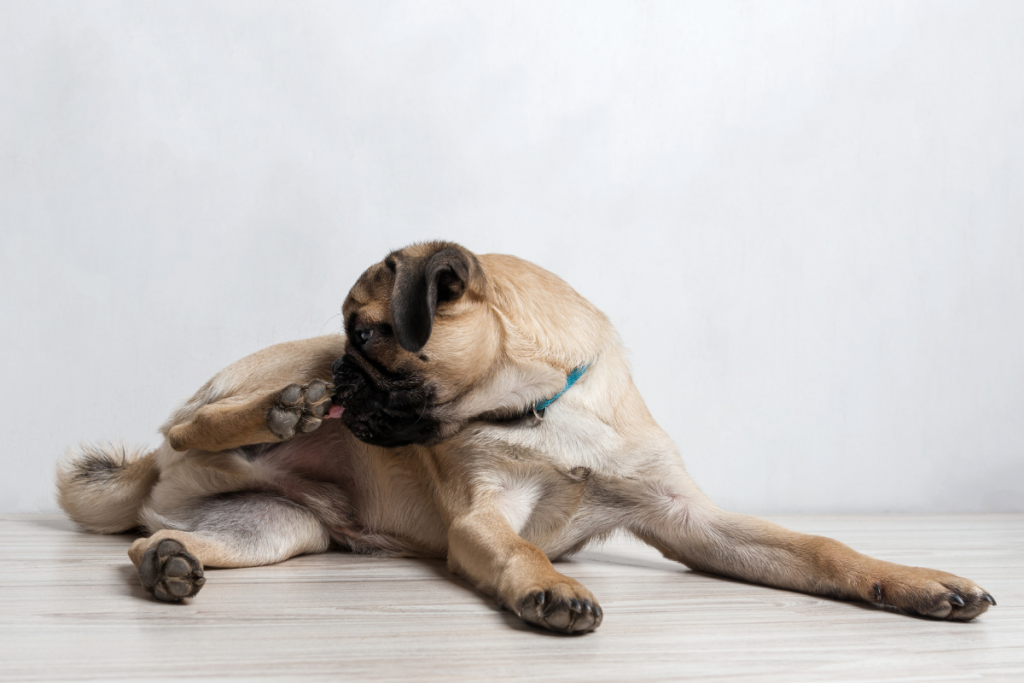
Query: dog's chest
x=569, y=438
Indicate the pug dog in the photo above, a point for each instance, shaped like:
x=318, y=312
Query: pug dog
x=477, y=409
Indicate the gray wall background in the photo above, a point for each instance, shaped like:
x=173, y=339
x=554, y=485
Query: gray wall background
x=804, y=218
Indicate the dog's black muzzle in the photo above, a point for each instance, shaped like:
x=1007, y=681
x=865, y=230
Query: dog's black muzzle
x=381, y=408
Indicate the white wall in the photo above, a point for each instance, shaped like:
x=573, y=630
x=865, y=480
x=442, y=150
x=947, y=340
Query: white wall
x=806, y=219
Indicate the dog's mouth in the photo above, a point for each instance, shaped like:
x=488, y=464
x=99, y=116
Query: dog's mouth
x=383, y=408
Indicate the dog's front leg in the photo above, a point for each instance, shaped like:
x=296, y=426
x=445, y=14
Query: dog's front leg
x=483, y=547
x=684, y=525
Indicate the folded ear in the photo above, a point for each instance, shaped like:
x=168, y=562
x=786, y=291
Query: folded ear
x=423, y=282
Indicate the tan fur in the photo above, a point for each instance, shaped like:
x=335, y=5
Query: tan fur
x=496, y=498
x=214, y=552
x=105, y=502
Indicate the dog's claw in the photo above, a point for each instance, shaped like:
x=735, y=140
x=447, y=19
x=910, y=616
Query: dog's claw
x=956, y=600
x=989, y=599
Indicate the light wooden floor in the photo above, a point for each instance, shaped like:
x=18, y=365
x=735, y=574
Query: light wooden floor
x=72, y=608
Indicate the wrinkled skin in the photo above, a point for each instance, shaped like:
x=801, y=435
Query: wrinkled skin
x=383, y=409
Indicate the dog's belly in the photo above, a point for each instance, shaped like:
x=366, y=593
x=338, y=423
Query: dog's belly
x=371, y=499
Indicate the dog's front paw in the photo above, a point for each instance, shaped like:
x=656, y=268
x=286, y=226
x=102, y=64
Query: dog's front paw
x=565, y=606
x=930, y=593
x=299, y=408
x=170, y=572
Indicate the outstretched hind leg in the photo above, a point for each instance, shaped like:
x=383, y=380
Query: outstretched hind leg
x=232, y=530
x=679, y=521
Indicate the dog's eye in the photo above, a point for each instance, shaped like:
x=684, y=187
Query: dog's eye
x=367, y=334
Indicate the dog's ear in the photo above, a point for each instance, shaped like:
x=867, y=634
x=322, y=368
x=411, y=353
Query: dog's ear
x=424, y=281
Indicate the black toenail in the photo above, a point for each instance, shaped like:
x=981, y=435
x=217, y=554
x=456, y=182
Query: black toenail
x=956, y=600
x=989, y=599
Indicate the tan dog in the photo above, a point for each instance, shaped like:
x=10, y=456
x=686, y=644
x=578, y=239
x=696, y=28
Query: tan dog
x=447, y=448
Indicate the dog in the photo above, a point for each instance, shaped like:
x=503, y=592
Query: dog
x=477, y=409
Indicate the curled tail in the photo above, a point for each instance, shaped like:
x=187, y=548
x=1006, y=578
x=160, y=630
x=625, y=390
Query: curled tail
x=102, y=487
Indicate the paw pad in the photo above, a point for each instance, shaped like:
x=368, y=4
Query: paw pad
x=563, y=608
x=170, y=572
x=299, y=408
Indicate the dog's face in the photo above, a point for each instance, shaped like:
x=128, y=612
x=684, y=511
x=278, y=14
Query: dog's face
x=420, y=334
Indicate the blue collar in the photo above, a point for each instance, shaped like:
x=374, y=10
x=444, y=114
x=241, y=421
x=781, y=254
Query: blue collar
x=539, y=406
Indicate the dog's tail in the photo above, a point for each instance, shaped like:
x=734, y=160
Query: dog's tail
x=102, y=487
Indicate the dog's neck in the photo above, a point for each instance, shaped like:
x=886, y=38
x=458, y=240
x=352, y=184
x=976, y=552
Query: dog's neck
x=537, y=409
x=541, y=406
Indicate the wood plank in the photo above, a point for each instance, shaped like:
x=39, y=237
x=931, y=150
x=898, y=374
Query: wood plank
x=71, y=609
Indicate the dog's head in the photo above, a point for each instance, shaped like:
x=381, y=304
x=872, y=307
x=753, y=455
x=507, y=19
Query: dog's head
x=420, y=332
x=439, y=337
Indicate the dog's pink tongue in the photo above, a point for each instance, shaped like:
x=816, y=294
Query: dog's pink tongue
x=336, y=411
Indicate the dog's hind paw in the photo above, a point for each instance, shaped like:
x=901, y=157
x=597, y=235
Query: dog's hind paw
x=930, y=593
x=299, y=408
x=170, y=572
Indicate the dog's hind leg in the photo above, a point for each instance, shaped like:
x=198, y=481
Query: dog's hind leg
x=257, y=418
x=677, y=519
x=231, y=530
x=266, y=397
